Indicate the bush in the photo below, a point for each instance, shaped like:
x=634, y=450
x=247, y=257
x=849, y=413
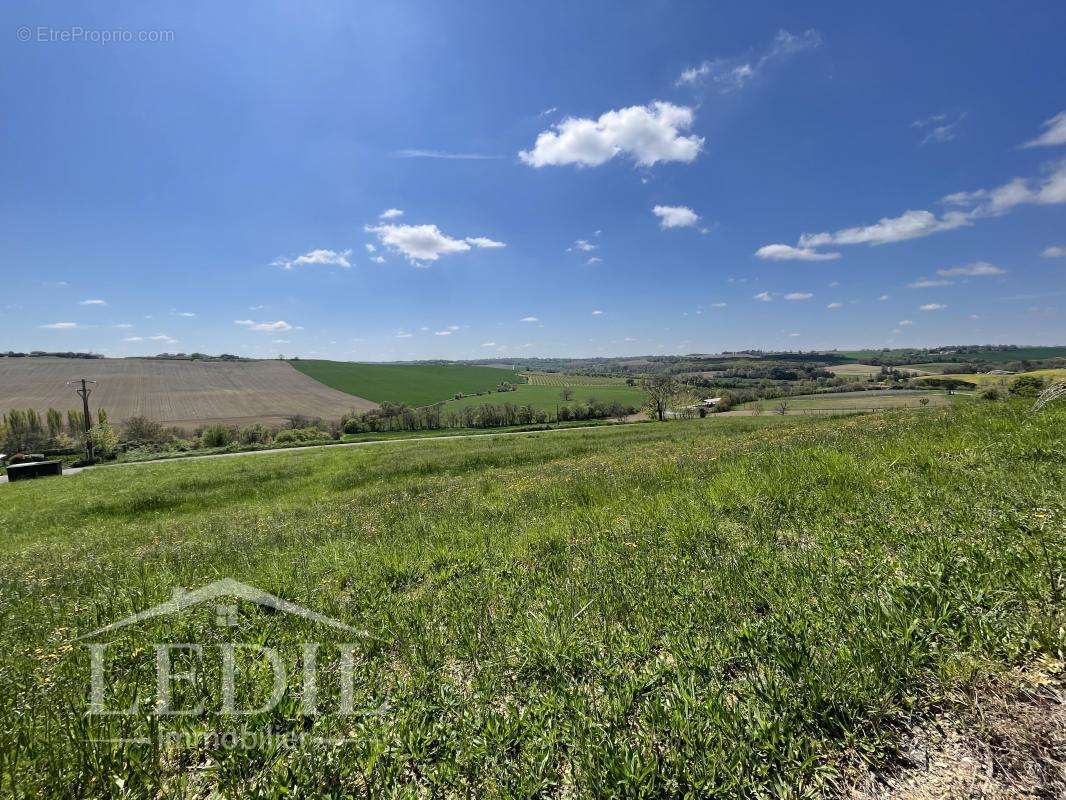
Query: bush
x=992, y=392
x=253, y=434
x=216, y=436
x=1027, y=386
x=104, y=439
x=142, y=429
x=298, y=435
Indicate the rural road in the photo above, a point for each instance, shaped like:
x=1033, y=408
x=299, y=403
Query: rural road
x=275, y=450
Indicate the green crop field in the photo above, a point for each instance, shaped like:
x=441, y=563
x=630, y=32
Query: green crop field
x=412, y=384
x=547, y=398
x=845, y=401
x=740, y=607
x=561, y=379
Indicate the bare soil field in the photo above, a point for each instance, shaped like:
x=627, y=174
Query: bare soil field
x=180, y=393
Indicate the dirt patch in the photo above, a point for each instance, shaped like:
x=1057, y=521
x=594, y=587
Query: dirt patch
x=1005, y=739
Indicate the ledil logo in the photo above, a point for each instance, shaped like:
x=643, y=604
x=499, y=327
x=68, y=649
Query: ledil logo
x=219, y=679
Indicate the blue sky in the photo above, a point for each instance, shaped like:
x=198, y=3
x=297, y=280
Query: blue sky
x=594, y=178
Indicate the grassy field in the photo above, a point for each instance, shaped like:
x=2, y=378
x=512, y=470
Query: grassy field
x=929, y=367
x=981, y=378
x=180, y=393
x=721, y=607
x=561, y=379
x=844, y=401
x=412, y=384
x=547, y=397
x=861, y=370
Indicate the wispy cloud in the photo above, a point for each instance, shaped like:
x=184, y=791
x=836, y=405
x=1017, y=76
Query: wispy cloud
x=927, y=283
x=937, y=128
x=799, y=296
x=421, y=243
x=93, y=303
x=976, y=269
x=444, y=155
x=932, y=307
x=1054, y=135
x=1055, y=251
x=252, y=325
x=60, y=326
x=732, y=74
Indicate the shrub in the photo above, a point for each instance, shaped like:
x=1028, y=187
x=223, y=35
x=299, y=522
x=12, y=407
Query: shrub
x=993, y=392
x=253, y=434
x=142, y=429
x=298, y=435
x=216, y=436
x=103, y=438
x=1027, y=386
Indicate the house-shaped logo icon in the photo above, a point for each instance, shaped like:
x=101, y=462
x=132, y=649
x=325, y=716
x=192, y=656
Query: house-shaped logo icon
x=224, y=588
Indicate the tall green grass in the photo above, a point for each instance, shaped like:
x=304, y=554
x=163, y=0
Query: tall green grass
x=731, y=607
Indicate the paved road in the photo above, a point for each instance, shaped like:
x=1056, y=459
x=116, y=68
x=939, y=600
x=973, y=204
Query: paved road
x=274, y=450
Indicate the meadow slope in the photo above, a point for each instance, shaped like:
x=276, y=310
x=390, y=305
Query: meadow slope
x=741, y=607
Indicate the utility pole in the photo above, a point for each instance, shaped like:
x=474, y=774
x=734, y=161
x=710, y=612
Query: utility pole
x=83, y=391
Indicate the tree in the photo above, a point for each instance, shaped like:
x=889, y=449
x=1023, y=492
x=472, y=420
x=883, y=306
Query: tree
x=660, y=390
x=1027, y=386
x=782, y=408
x=567, y=393
x=924, y=401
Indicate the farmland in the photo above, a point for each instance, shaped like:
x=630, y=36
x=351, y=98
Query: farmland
x=984, y=378
x=177, y=393
x=850, y=401
x=547, y=398
x=564, y=379
x=731, y=605
x=411, y=384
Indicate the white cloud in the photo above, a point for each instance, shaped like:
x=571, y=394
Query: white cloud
x=784, y=252
x=584, y=245
x=799, y=296
x=718, y=305
x=186, y=314
x=133, y=339
x=162, y=337
x=927, y=283
x=488, y=344
x=370, y=248
x=908, y=225
x=390, y=213
x=329, y=258
x=977, y=268
x=484, y=242
x=442, y=333
x=883, y=297
x=421, y=242
x=1054, y=135
x=903, y=323
x=647, y=134
x=252, y=325
x=629, y=339
x=378, y=259
x=765, y=297
x=122, y=326
x=832, y=306
x=93, y=303
x=597, y=313
x=1055, y=251
x=593, y=260
x=932, y=307
x=733, y=74
x=675, y=216
x=60, y=326
x=529, y=319
x=404, y=335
